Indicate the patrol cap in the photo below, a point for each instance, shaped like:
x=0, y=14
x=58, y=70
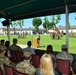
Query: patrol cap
x=64, y=46
x=2, y=47
x=27, y=53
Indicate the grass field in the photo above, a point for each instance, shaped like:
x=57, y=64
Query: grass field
x=44, y=41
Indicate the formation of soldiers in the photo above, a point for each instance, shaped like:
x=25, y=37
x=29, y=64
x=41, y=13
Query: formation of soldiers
x=56, y=35
x=72, y=34
x=21, y=35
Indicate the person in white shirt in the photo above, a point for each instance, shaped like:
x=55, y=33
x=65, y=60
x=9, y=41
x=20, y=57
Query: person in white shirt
x=29, y=47
x=64, y=54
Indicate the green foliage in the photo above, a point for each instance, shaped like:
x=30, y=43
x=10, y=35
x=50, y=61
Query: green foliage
x=75, y=16
x=36, y=23
x=14, y=24
x=69, y=25
x=20, y=23
x=46, y=24
x=55, y=19
x=36, y=28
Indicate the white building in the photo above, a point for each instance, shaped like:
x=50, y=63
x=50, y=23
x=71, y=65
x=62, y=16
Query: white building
x=41, y=30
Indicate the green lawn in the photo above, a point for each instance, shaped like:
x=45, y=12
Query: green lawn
x=44, y=41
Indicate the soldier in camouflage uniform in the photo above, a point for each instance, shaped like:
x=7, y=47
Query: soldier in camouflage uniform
x=25, y=66
x=38, y=40
x=3, y=59
x=14, y=46
x=64, y=54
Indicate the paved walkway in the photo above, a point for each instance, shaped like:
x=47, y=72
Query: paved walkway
x=22, y=46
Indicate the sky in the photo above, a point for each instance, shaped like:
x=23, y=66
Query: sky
x=62, y=22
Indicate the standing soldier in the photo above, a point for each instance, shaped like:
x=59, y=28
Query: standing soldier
x=38, y=39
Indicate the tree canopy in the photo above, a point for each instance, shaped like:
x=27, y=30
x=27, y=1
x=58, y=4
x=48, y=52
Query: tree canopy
x=36, y=23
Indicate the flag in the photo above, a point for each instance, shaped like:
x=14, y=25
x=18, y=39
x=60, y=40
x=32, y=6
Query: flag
x=57, y=30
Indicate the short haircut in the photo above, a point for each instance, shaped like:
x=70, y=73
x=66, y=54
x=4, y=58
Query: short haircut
x=51, y=49
x=14, y=40
x=2, y=40
x=64, y=47
x=74, y=66
x=29, y=43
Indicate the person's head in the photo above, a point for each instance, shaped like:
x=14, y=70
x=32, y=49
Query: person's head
x=29, y=43
x=64, y=48
x=3, y=49
x=2, y=42
x=46, y=65
x=49, y=49
x=73, y=65
x=27, y=54
x=7, y=43
x=15, y=41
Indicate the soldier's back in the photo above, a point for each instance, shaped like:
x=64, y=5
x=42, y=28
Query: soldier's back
x=25, y=67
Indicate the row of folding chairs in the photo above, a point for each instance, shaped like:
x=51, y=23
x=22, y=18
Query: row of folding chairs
x=62, y=65
x=10, y=71
x=16, y=57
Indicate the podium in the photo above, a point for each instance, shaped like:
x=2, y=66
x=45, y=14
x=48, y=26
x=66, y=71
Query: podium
x=35, y=42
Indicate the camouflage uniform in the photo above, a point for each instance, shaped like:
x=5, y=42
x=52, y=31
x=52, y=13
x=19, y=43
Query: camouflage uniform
x=25, y=67
x=3, y=60
x=15, y=47
x=64, y=55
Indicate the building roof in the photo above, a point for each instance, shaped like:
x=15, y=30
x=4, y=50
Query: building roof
x=64, y=27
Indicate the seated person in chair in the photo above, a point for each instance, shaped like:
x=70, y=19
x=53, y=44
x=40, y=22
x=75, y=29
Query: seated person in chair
x=3, y=58
x=25, y=66
x=46, y=66
x=15, y=47
x=29, y=43
x=64, y=54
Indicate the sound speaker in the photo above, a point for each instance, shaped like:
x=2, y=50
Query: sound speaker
x=5, y=23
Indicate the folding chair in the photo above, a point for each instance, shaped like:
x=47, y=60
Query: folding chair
x=35, y=60
x=18, y=56
x=8, y=70
x=19, y=73
x=63, y=66
x=13, y=56
x=1, y=71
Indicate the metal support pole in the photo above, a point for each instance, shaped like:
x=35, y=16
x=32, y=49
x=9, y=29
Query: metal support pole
x=8, y=33
x=67, y=21
x=8, y=30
